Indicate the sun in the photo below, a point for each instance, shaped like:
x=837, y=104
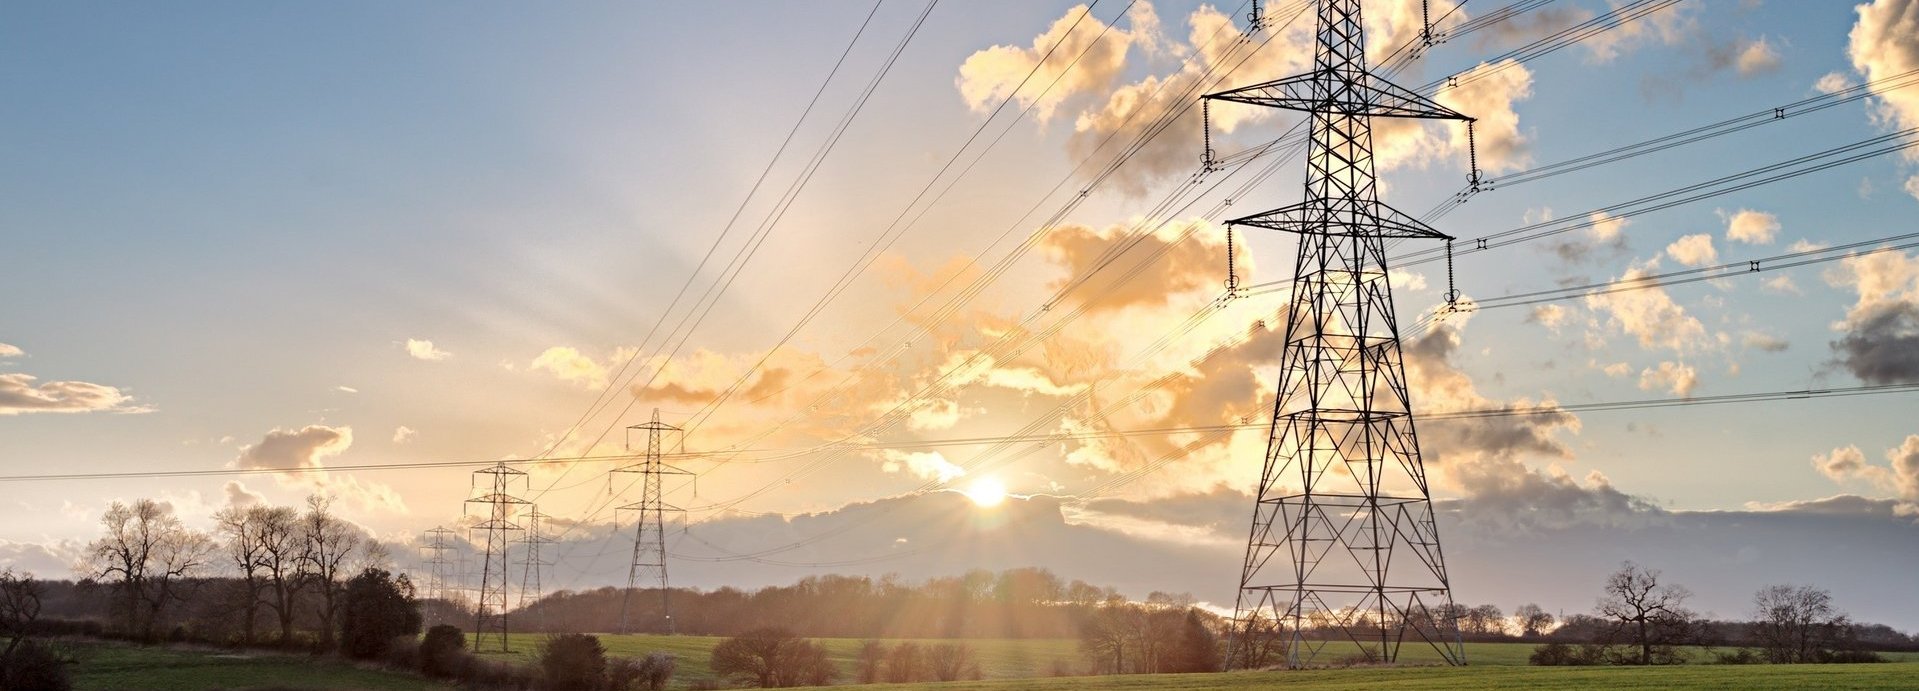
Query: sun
x=987, y=492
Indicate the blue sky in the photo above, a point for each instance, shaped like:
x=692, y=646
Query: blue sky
x=227, y=212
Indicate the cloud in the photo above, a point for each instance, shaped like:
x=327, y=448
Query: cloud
x=19, y=394
x=1650, y=315
x=422, y=349
x=1679, y=378
x=1832, y=83
x=1880, y=334
x=1757, y=57
x=239, y=496
x=8, y=350
x=1669, y=25
x=1191, y=257
x=304, y=448
x=989, y=76
x=929, y=465
x=1549, y=316
x=1693, y=250
x=1900, y=475
x=403, y=434
x=1884, y=43
x=570, y=365
x=1440, y=386
x=346, y=389
x=1765, y=342
x=1751, y=227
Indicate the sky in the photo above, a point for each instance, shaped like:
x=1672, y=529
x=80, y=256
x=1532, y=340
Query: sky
x=262, y=241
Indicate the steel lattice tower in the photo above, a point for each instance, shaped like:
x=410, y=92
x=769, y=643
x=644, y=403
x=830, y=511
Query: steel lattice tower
x=1352, y=552
x=530, y=589
x=649, y=531
x=437, y=543
x=495, y=487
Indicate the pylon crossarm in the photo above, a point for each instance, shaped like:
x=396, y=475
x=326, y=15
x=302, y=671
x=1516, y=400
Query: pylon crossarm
x=1326, y=91
x=1374, y=219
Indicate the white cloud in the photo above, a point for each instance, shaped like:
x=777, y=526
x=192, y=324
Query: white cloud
x=989, y=76
x=1757, y=57
x=1884, y=43
x=403, y=434
x=1650, y=314
x=8, y=350
x=1693, y=250
x=569, y=364
x=422, y=349
x=1669, y=25
x=1832, y=83
x=1751, y=227
x=346, y=389
x=19, y=394
x=304, y=448
x=1879, y=340
x=929, y=465
x=1679, y=378
x=1756, y=340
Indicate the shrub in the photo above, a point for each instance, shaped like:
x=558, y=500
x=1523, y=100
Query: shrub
x=35, y=665
x=773, y=657
x=951, y=662
x=375, y=609
x=572, y=662
x=1560, y=654
x=870, y=662
x=650, y=673
x=1741, y=656
x=904, y=664
x=442, y=651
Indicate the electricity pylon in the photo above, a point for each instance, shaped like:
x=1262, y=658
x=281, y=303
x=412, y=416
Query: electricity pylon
x=495, y=487
x=1320, y=565
x=530, y=590
x=648, y=568
x=438, y=541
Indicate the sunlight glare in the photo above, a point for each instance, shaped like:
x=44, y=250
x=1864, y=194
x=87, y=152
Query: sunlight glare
x=987, y=492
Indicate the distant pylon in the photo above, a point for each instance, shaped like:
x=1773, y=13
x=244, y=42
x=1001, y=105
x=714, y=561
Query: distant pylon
x=494, y=487
x=1320, y=562
x=530, y=591
x=649, y=531
x=438, y=541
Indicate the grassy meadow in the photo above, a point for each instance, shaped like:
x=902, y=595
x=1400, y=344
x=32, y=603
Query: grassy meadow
x=1005, y=664
x=113, y=666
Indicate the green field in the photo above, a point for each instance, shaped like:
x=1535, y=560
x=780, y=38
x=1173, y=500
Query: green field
x=116, y=666
x=1005, y=662
x=1904, y=675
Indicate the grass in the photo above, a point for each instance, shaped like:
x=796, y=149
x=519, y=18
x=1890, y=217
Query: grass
x=999, y=658
x=107, y=665
x=1028, y=663
x=1865, y=677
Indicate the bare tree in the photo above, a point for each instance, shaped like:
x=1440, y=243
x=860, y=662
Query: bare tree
x=1797, y=624
x=148, y=553
x=329, y=543
x=1533, y=621
x=240, y=528
x=1483, y=620
x=19, y=607
x=282, y=558
x=1648, y=616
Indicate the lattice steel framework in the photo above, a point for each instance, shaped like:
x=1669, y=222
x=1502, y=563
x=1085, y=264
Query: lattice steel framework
x=530, y=589
x=648, y=569
x=495, y=492
x=1351, y=555
x=438, y=541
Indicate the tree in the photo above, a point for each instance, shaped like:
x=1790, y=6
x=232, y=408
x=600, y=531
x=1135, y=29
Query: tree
x=1533, y=621
x=951, y=662
x=1197, y=649
x=772, y=657
x=869, y=665
x=904, y=663
x=441, y=650
x=375, y=609
x=148, y=554
x=1799, y=624
x=1483, y=620
x=282, y=556
x=19, y=607
x=1648, y=616
x=328, y=543
x=239, y=528
x=572, y=662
